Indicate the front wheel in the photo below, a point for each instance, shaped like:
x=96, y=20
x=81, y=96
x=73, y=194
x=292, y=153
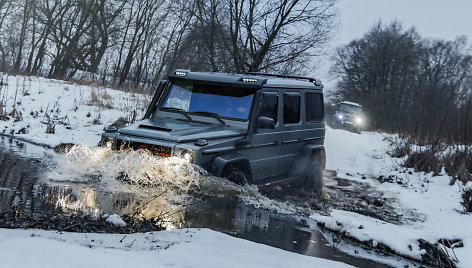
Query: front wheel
x=236, y=175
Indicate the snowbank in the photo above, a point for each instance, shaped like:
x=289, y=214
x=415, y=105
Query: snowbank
x=431, y=198
x=115, y=219
x=178, y=248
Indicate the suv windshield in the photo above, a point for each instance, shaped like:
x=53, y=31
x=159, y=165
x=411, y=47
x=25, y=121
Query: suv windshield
x=223, y=101
x=350, y=109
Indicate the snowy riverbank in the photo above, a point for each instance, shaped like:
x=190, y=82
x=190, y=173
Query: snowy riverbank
x=430, y=206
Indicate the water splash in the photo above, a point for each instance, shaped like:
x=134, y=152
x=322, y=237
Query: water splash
x=140, y=172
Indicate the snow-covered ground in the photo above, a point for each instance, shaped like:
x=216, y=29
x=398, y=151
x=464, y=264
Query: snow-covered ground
x=178, y=248
x=431, y=198
x=79, y=113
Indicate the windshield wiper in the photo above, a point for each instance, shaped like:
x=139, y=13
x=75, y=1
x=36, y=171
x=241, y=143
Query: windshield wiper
x=209, y=114
x=177, y=110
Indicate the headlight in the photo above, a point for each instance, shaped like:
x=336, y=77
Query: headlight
x=187, y=154
x=109, y=142
x=340, y=116
x=358, y=120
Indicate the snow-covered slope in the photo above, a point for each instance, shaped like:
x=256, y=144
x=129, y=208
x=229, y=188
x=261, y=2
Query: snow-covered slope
x=77, y=113
x=431, y=198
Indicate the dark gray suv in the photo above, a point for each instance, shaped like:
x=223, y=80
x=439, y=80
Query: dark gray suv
x=255, y=128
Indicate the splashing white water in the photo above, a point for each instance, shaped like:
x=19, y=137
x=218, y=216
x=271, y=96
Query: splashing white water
x=141, y=172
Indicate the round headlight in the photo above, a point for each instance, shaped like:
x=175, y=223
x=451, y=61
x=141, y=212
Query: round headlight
x=340, y=116
x=359, y=120
x=187, y=155
x=109, y=143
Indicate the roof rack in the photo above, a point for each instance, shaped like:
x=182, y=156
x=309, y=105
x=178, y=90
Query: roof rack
x=313, y=80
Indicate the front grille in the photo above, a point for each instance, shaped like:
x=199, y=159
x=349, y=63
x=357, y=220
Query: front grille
x=154, y=149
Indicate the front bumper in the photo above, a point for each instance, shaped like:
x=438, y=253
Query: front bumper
x=116, y=141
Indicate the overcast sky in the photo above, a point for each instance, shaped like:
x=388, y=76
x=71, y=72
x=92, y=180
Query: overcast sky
x=444, y=19
x=441, y=19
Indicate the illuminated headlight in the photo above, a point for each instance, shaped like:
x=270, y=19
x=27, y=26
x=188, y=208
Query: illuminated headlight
x=358, y=120
x=109, y=142
x=340, y=116
x=187, y=155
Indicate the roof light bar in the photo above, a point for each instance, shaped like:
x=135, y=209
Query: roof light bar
x=249, y=80
x=180, y=73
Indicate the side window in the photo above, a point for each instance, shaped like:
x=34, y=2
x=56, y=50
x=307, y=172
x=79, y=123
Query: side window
x=291, y=108
x=269, y=105
x=314, y=107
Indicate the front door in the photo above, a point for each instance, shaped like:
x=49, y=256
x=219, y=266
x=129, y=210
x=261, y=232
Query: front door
x=292, y=134
x=265, y=143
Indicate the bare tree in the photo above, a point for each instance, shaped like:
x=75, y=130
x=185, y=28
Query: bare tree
x=266, y=34
x=144, y=18
x=408, y=84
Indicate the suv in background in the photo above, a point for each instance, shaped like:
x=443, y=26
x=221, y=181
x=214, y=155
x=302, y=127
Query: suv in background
x=349, y=116
x=255, y=128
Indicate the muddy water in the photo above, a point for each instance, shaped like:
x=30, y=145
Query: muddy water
x=24, y=186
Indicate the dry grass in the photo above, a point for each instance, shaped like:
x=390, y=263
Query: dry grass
x=100, y=99
x=425, y=161
x=458, y=165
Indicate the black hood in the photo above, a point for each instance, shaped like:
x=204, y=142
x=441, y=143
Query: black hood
x=180, y=130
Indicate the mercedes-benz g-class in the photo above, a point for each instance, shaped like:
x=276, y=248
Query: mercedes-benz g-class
x=255, y=128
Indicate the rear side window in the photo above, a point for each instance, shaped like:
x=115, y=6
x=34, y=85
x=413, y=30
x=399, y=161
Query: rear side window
x=291, y=108
x=314, y=107
x=269, y=105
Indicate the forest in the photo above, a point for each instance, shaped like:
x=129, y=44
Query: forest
x=136, y=43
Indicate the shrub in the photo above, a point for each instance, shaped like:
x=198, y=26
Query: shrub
x=459, y=166
x=399, y=148
x=467, y=199
x=426, y=161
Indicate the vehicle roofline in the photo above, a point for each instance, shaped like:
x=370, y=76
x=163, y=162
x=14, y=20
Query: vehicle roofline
x=234, y=79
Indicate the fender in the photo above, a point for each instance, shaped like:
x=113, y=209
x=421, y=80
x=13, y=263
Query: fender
x=305, y=156
x=220, y=162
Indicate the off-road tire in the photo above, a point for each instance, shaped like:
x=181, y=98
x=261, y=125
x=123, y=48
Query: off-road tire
x=314, y=175
x=236, y=175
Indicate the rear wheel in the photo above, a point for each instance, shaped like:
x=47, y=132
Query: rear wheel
x=314, y=175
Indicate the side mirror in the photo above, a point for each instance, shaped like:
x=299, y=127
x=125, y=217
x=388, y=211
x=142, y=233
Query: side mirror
x=265, y=122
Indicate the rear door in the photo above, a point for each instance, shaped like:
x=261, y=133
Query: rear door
x=314, y=117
